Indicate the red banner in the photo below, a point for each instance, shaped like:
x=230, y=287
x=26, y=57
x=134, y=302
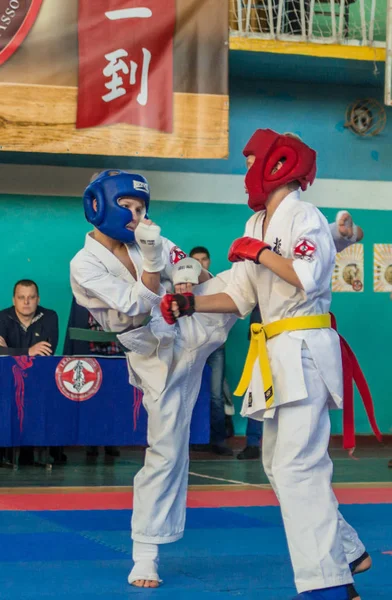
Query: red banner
x=126, y=63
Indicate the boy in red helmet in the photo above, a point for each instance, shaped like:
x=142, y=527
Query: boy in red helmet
x=284, y=263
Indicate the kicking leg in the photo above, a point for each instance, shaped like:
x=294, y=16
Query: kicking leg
x=160, y=487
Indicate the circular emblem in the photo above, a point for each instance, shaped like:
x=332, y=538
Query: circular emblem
x=16, y=19
x=78, y=379
x=357, y=285
x=304, y=249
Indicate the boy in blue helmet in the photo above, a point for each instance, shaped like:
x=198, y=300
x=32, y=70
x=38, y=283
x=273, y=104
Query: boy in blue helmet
x=115, y=203
x=120, y=276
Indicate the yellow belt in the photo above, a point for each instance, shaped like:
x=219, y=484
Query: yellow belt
x=258, y=349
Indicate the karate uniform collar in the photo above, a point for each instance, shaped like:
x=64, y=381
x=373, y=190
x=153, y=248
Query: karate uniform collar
x=295, y=195
x=284, y=206
x=111, y=262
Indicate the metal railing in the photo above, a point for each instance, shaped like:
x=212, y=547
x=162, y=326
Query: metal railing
x=352, y=22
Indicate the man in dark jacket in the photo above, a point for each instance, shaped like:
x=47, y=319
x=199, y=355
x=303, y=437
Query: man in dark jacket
x=26, y=328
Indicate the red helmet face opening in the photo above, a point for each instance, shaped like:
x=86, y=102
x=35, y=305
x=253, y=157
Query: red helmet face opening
x=270, y=148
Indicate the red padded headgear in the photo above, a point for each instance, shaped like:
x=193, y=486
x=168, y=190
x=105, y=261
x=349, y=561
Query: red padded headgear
x=269, y=148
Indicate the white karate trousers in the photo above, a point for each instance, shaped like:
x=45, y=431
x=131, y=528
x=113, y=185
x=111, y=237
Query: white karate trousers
x=298, y=466
x=167, y=363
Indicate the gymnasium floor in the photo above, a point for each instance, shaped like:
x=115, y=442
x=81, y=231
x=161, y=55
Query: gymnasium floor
x=65, y=533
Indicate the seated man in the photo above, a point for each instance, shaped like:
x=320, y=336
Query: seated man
x=26, y=328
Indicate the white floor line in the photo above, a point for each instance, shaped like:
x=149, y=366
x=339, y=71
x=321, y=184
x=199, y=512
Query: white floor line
x=261, y=486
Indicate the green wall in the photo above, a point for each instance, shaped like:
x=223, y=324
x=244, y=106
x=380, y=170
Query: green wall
x=39, y=236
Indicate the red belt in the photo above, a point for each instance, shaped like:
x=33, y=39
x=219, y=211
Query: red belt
x=352, y=372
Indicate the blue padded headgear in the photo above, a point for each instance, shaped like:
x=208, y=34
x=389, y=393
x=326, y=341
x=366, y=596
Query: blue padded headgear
x=110, y=218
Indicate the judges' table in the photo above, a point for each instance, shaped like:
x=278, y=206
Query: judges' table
x=71, y=401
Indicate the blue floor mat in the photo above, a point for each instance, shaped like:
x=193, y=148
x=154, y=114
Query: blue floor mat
x=226, y=554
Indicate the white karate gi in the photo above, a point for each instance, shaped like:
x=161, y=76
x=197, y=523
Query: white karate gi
x=103, y=285
x=164, y=361
x=307, y=375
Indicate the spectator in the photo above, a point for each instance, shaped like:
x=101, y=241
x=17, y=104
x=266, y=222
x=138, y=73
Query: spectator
x=217, y=363
x=81, y=318
x=26, y=328
x=254, y=429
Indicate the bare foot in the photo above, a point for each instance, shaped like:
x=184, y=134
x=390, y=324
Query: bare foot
x=144, y=574
x=145, y=583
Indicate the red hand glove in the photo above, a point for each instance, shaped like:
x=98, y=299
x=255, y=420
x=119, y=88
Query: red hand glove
x=186, y=305
x=247, y=248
